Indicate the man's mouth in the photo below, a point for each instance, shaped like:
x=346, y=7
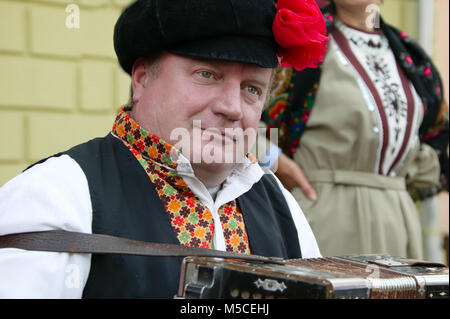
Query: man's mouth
x=227, y=134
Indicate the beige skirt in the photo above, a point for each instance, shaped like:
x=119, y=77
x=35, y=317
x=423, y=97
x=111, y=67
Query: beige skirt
x=361, y=213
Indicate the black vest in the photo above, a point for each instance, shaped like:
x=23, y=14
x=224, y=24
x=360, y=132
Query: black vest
x=125, y=204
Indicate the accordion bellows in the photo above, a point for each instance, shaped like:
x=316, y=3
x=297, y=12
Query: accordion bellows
x=353, y=276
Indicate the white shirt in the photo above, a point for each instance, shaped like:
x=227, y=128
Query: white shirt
x=55, y=195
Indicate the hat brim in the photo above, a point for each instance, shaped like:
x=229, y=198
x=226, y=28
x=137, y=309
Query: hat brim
x=259, y=51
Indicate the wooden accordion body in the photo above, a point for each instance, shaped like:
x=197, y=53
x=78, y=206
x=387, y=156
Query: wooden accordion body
x=352, y=276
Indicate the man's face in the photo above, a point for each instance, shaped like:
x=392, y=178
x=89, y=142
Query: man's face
x=206, y=101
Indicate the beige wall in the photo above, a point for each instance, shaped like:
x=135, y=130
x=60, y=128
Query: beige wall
x=402, y=14
x=58, y=86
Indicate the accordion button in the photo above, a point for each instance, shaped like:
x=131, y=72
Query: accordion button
x=245, y=295
x=234, y=293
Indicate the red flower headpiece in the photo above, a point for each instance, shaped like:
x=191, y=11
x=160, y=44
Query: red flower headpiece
x=300, y=31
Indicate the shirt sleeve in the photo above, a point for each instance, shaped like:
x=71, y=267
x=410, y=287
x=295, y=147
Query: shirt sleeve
x=271, y=157
x=49, y=196
x=306, y=238
x=266, y=150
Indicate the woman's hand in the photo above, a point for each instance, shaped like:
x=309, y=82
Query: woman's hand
x=291, y=175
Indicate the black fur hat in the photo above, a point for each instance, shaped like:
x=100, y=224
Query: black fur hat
x=229, y=30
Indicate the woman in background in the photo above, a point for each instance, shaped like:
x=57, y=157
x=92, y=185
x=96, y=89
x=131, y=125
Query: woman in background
x=359, y=130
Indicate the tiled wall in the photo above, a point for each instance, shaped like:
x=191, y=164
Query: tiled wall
x=59, y=86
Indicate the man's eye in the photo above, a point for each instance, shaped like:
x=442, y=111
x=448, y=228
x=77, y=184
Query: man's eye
x=207, y=74
x=253, y=90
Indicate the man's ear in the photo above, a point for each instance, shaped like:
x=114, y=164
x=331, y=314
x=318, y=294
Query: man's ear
x=139, y=75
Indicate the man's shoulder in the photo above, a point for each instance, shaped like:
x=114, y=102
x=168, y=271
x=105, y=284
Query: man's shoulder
x=87, y=146
x=93, y=145
x=55, y=168
x=269, y=181
x=52, y=185
x=265, y=187
x=60, y=168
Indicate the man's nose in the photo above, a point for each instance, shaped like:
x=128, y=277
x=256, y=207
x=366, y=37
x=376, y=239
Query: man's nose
x=229, y=104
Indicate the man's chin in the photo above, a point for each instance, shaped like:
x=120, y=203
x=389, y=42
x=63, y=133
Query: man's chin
x=217, y=155
x=214, y=166
x=217, y=160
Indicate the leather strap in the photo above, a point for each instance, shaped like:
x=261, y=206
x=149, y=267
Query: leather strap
x=74, y=242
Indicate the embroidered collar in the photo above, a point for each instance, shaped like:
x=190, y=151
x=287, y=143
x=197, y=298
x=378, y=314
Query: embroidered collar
x=150, y=146
x=191, y=220
x=371, y=43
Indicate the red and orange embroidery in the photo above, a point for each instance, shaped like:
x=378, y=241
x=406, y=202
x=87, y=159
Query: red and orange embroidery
x=191, y=220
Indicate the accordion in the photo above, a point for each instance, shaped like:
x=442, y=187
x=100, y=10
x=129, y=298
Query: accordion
x=343, y=277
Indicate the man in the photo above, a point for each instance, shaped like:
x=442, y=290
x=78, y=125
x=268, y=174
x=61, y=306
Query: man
x=201, y=69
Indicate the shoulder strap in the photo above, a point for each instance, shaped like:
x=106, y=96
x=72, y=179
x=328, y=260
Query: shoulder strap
x=74, y=242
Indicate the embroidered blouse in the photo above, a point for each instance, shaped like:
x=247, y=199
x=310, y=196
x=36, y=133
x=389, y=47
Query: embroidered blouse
x=391, y=94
